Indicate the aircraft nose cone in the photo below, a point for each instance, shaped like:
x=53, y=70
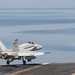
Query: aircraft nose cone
x=40, y=47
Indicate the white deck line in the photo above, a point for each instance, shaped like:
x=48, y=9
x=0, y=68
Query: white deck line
x=73, y=74
x=45, y=63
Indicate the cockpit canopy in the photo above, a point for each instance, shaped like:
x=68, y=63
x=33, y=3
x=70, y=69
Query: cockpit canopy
x=31, y=42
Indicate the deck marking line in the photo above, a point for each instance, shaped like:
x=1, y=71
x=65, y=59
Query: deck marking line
x=45, y=64
x=73, y=74
x=24, y=70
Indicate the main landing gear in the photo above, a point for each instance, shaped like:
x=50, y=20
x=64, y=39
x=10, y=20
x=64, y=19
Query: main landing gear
x=8, y=62
x=24, y=62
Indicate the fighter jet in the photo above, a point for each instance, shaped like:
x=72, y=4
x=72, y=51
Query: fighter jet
x=27, y=51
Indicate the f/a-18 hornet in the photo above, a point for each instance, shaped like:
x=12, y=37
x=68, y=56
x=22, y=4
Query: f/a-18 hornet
x=26, y=51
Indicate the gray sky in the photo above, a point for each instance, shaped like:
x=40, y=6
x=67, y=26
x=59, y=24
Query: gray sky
x=36, y=3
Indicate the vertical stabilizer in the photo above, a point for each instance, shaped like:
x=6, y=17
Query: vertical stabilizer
x=2, y=46
x=15, y=45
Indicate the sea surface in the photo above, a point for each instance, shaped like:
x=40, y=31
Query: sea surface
x=53, y=28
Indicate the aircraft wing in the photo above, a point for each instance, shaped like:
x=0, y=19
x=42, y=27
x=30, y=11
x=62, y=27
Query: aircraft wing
x=30, y=53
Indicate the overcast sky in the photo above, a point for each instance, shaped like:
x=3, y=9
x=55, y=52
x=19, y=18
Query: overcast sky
x=36, y=3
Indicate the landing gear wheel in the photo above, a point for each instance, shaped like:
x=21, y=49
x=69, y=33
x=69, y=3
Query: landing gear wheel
x=8, y=62
x=29, y=60
x=24, y=62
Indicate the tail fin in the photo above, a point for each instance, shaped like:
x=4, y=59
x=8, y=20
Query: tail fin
x=2, y=46
x=15, y=45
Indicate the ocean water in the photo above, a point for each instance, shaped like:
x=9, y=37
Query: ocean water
x=53, y=28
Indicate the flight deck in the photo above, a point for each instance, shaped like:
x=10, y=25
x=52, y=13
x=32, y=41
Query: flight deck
x=38, y=69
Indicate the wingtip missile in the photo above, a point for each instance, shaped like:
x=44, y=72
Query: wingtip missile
x=47, y=52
